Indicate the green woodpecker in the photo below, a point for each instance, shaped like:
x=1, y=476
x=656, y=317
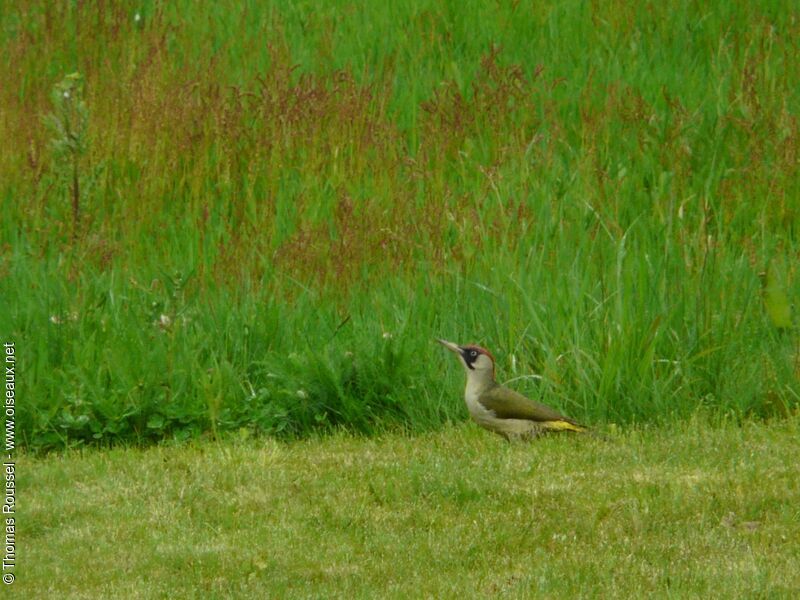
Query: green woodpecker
x=500, y=409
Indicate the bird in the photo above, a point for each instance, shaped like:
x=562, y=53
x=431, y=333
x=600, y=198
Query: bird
x=500, y=409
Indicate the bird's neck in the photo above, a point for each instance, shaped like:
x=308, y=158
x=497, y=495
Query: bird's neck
x=478, y=382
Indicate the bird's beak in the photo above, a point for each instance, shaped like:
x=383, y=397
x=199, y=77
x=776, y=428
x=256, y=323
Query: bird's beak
x=450, y=346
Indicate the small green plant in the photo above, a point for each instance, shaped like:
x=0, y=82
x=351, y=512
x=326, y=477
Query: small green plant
x=776, y=301
x=68, y=123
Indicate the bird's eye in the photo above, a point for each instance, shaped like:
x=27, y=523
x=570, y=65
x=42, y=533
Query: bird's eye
x=473, y=353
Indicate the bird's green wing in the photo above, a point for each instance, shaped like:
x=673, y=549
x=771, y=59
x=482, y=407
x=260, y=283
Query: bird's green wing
x=508, y=404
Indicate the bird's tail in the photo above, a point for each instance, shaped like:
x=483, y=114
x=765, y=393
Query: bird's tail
x=564, y=426
x=556, y=426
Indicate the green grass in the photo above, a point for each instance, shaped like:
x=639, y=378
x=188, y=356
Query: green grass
x=280, y=204
x=683, y=511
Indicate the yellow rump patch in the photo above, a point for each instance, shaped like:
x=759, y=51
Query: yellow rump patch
x=562, y=426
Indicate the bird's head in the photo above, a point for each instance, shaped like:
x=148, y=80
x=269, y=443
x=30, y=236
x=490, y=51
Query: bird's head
x=476, y=360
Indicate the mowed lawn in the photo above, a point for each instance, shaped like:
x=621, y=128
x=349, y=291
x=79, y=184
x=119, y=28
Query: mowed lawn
x=687, y=510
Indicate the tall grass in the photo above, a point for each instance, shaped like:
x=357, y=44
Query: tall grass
x=282, y=204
